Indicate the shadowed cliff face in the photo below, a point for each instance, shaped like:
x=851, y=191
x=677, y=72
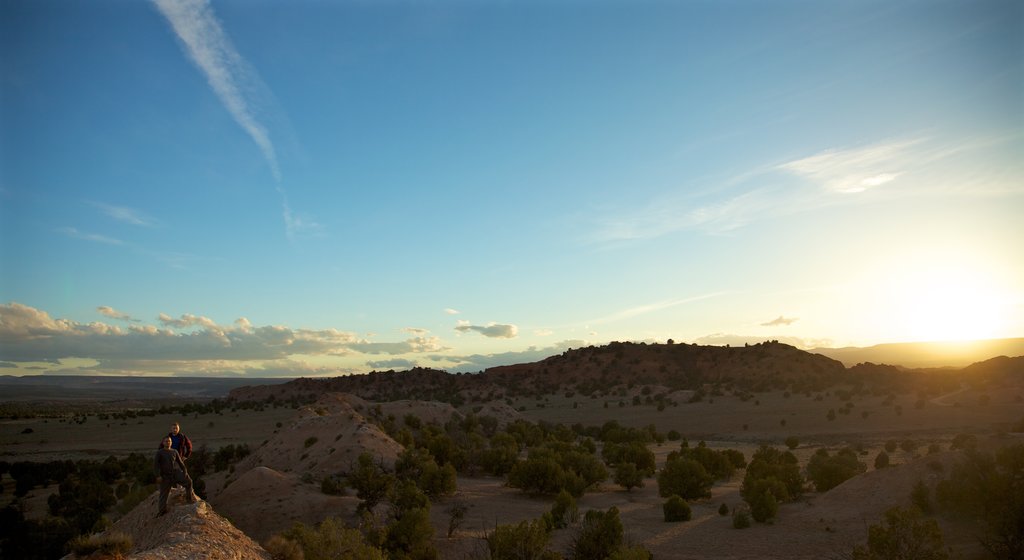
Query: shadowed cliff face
x=186, y=531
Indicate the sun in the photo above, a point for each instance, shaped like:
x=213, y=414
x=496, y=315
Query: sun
x=947, y=303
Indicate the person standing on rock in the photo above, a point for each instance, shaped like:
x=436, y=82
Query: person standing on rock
x=170, y=470
x=180, y=442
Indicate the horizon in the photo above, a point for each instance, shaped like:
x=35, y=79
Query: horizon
x=305, y=189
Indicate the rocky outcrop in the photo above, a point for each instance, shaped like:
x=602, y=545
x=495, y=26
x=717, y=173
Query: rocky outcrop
x=186, y=531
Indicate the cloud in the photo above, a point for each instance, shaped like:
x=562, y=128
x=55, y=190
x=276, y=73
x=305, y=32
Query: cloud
x=909, y=167
x=209, y=47
x=543, y=332
x=650, y=308
x=126, y=215
x=477, y=362
x=298, y=225
x=282, y=368
x=115, y=314
x=492, y=330
x=72, y=232
x=186, y=320
x=31, y=335
x=451, y=311
x=416, y=331
x=780, y=320
x=854, y=170
x=415, y=345
x=397, y=363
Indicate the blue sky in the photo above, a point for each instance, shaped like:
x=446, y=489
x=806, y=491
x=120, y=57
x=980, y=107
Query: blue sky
x=312, y=188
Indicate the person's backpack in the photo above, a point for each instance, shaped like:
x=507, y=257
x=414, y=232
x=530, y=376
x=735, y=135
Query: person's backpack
x=186, y=446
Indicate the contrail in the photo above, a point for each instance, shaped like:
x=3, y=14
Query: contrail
x=226, y=71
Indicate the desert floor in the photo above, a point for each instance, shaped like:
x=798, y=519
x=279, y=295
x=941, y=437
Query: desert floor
x=817, y=526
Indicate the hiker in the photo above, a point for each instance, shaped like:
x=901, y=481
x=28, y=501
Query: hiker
x=170, y=470
x=180, y=442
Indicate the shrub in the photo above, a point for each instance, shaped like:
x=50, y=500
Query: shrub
x=827, y=471
x=964, y=441
x=676, y=509
x=723, y=510
x=599, y=535
x=920, y=496
x=281, y=548
x=628, y=476
x=768, y=462
x=332, y=486
x=763, y=495
x=527, y=540
x=309, y=442
x=990, y=490
x=882, y=460
x=329, y=540
x=631, y=553
x=674, y=435
x=740, y=519
x=685, y=478
x=890, y=446
x=905, y=534
x=563, y=511
x=109, y=544
x=456, y=515
x=792, y=442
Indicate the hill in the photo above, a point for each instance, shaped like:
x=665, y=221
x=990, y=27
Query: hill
x=757, y=367
x=927, y=354
x=186, y=531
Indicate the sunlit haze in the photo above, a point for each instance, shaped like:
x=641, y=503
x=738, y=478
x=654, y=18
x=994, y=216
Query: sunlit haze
x=320, y=188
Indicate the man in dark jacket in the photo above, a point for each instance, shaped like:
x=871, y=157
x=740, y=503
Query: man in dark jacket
x=170, y=470
x=180, y=442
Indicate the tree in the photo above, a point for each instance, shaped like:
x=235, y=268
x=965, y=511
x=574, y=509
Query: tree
x=331, y=539
x=526, y=541
x=685, y=478
x=906, y=535
x=676, y=509
x=881, y=460
x=768, y=462
x=792, y=442
x=628, y=476
x=827, y=472
x=990, y=489
x=764, y=495
x=599, y=536
x=370, y=481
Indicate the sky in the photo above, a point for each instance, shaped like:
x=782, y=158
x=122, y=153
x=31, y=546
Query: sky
x=316, y=188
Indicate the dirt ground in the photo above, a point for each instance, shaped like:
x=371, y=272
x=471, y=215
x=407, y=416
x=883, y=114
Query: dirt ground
x=818, y=526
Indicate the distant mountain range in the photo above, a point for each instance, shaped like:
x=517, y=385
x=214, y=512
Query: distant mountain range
x=927, y=354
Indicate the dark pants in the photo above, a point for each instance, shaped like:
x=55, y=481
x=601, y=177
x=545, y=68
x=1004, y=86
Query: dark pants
x=167, y=481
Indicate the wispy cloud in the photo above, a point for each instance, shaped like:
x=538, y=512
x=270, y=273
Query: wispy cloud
x=650, y=308
x=233, y=80
x=108, y=311
x=73, y=232
x=126, y=215
x=911, y=167
x=491, y=330
x=226, y=71
x=297, y=225
x=450, y=311
x=416, y=331
x=855, y=170
x=780, y=321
